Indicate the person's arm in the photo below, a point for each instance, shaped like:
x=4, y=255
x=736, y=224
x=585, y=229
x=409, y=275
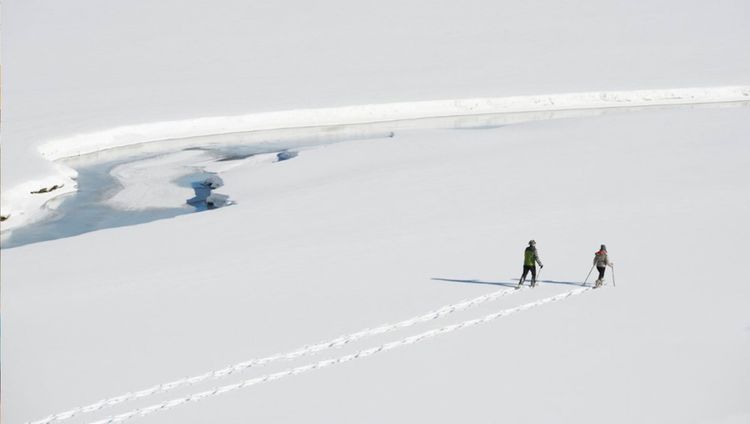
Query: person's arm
x=536, y=258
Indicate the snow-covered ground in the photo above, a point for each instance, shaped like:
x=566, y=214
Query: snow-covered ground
x=390, y=222
x=358, y=234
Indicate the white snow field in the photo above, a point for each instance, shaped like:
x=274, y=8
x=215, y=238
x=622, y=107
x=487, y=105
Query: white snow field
x=370, y=278
x=358, y=234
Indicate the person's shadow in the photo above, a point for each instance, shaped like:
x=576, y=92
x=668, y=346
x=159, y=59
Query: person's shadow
x=505, y=283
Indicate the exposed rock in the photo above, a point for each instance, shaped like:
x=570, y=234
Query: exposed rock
x=48, y=189
x=285, y=155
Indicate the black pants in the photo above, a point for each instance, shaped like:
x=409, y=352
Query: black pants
x=526, y=269
x=601, y=270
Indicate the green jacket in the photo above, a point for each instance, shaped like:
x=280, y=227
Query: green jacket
x=530, y=257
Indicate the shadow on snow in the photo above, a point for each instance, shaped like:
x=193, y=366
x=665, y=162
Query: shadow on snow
x=505, y=283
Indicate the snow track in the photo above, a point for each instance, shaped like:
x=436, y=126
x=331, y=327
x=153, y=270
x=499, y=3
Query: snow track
x=307, y=350
x=446, y=310
x=142, y=412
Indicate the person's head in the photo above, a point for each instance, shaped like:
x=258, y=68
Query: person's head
x=532, y=243
x=603, y=247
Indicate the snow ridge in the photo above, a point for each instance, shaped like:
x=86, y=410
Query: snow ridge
x=142, y=412
x=370, y=113
x=307, y=350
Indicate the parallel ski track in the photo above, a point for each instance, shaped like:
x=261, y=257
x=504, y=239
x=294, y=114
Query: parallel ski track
x=163, y=406
x=307, y=350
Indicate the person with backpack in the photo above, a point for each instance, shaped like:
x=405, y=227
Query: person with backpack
x=530, y=259
x=601, y=260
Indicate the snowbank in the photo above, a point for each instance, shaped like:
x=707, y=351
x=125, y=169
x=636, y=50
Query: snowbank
x=134, y=134
x=27, y=201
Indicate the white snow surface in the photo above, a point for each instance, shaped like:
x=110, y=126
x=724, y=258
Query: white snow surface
x=354, y=235
x=149, y=183
x=85, y=67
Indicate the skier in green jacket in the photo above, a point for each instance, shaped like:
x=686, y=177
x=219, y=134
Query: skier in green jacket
x=530, y=259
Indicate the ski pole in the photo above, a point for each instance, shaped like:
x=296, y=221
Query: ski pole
x=538, y=274
x=613, y=276
x=587, y=276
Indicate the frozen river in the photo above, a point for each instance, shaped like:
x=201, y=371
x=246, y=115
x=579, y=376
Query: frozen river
x=112, y=183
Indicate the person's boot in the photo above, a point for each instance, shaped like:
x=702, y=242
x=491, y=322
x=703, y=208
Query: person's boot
x=520, y=284
x=598, y=284
x=533, y=283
